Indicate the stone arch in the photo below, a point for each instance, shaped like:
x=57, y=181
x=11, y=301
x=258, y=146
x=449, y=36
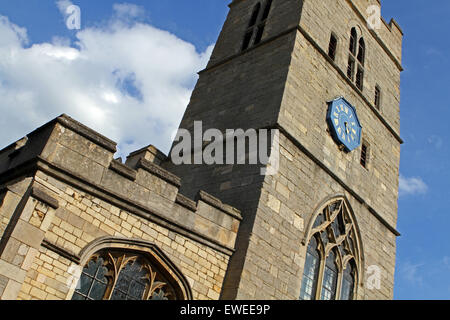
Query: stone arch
x=310, y=230
x=144, y=248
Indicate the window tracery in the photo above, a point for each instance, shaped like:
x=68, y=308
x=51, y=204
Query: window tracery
x=332, y=256
x=121, y=275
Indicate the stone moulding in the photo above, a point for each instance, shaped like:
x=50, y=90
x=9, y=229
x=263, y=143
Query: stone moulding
x=41, y=195
x=213, y=201
x=87, y=133
x=159, y=172
x=42, y=153
x=109, y=242
x=123, y=170
x=129, y=205
x=62, y=252
x=186, y=202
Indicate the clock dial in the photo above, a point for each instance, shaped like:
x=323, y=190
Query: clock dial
x=344, y=124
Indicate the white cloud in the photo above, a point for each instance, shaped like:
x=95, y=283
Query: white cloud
x=411, y=186
x=129, y=81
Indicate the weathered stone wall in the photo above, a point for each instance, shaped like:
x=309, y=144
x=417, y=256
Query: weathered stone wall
x=276, y=253
x=61, y=190
x=319, y=20
x=303, y=115
x=285, y=15
x=270, y=254
x=75, y=194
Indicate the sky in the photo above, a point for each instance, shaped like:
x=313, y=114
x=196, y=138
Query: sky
x=129, y=72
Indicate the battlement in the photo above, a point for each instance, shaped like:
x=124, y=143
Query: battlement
x=72, y=155
x=390, y=34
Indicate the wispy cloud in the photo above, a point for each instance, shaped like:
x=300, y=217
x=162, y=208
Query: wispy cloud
x=436, y=141
x=411, y=272
x=412, y=186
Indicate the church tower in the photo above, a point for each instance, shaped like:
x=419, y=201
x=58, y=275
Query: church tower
x=326, y=75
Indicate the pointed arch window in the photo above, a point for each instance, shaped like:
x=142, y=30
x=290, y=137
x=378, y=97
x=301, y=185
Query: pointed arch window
x=348, y=282
x=311, y=273
x=361, y=51
x=255, y=15
x=330, y=278
x=356, y=59
x=122, y=275
x=353, y=39
x=331, y=270
x=257, y=26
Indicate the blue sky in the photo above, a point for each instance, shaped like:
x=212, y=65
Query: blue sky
x=423, y=257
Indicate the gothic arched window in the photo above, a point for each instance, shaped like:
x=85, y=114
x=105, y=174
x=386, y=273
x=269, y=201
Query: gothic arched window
x=353, y=39
x=356, y=59
x=255, y=15
x=361, y=51
x=254, y=24
x=122, y=275
x=331, y=270
x=348, y=282
x=311, y=273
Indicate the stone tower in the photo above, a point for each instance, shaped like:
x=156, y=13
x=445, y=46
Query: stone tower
x=277, y=64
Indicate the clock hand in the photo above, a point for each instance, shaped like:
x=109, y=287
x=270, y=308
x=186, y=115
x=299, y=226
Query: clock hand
x=346, y=128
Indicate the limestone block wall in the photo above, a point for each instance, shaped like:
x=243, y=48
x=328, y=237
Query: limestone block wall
x=276, y=253
x=304, y=107
x=284, y=15
x=383, y=55
x=71, y=194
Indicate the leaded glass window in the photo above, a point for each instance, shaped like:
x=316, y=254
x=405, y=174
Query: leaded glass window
x=93, y=282
x=131, y=282
x=348, y=283
x=311, y=272
x=116, y=275
x=330, y=278
x=330, y=270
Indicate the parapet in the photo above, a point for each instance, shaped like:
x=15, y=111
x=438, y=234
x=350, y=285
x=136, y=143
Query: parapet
x=389, y=34
x=78, y=156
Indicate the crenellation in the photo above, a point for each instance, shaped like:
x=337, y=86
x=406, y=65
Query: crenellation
x=224, y=231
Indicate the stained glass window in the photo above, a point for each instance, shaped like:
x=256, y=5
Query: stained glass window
x=93, y=281
x=311, y=272
x=131, y=283
x=334, y=234
x=115, y=275
x=348, y=283
x=330, y=278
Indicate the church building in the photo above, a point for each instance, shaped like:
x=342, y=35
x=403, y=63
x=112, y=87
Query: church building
x=78, y=224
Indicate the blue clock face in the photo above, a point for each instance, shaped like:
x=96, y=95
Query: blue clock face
x=344, y=124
